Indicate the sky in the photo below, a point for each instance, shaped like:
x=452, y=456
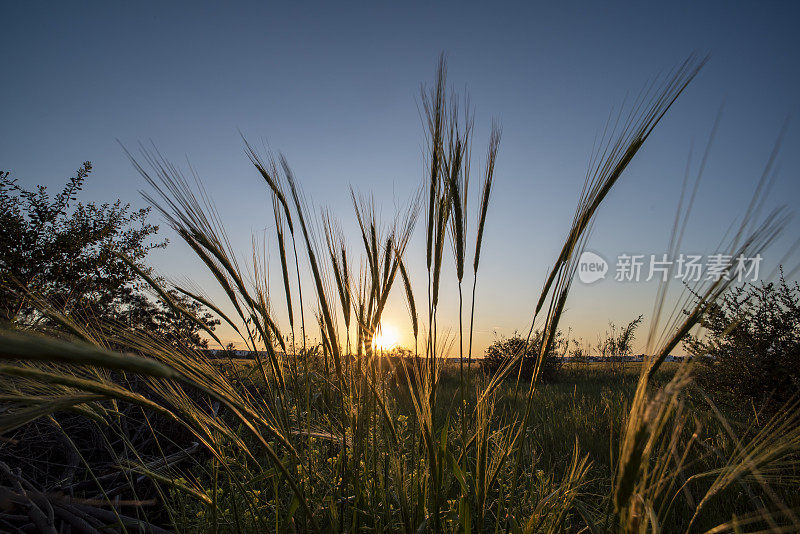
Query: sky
x=335, y=88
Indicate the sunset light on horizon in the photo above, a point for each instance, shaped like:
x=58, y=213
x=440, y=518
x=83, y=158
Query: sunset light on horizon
x=387, y=338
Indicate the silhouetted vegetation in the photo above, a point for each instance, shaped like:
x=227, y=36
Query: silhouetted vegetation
x=751, y=350
x=617, y=343
x=66, y=261
x=505, y=349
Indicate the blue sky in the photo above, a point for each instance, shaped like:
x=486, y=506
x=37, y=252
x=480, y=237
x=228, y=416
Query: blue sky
x=335, y=87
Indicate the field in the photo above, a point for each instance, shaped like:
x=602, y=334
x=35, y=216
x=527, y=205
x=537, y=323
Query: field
x=569, y=464
x=136, y=429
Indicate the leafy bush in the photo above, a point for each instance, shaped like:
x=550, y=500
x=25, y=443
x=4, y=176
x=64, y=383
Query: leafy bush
x=68, y=259
x=505, y=349
x=752, y=348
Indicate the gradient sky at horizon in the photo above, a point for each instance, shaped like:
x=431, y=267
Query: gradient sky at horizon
x=335, y=87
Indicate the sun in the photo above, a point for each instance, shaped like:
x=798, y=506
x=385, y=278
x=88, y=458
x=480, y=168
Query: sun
x=387, y=338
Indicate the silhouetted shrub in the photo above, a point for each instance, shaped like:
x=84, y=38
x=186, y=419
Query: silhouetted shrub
x=752, y=349
x=506, y=348
x=616, y=346
x=67, y=254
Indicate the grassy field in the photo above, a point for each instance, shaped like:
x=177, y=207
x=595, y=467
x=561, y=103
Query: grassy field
x=335, y=440
x=569, y=461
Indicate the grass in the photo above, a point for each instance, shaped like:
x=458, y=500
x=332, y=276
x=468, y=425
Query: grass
x=333, y=439
x=584, y=409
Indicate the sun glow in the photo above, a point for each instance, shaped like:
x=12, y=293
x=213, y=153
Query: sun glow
x=387, y=338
